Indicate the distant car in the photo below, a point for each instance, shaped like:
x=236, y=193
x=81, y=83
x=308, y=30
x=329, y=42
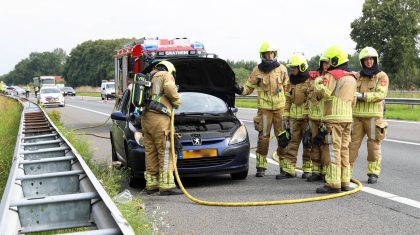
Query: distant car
x=19, y=91
x=107, y=90
x=214, y=140
x=51, y=96
x=68, y=91
x=10, y=91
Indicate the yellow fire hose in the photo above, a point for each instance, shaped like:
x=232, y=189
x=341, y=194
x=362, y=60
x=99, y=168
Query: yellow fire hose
x=258, y=203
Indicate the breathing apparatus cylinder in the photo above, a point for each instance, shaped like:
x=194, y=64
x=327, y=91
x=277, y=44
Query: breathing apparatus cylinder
x=141, y=90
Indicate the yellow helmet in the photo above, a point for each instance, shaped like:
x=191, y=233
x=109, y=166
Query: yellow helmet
x=168, y=65
x=368, y=52
x=337, y=55
x=298, y=60
x=267, y=46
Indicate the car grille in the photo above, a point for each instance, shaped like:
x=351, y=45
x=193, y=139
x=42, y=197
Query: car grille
x=204, y=142
x=203, y=162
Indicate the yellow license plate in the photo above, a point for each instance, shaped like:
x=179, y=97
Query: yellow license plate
x=199, y=153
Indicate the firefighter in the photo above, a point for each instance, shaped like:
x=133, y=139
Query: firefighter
x=338, y=88
x=36, y=89
x=270, y=79
x=372, y=88
x=315, y=109
x=296, y=117
x=156, y=130
x=28, y=89
x=1, y=87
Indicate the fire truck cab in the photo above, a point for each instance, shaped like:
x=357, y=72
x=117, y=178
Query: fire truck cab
x=134, y=57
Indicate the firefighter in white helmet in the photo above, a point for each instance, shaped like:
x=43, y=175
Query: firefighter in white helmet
x=270, y=79
x=372, y=88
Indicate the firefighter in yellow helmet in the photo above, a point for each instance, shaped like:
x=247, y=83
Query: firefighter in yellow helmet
x=372, y=88
x=296, y=117
x=315, y=110
x=1, y=87
x=338, y=88
x=270, y=79
x=156, y=129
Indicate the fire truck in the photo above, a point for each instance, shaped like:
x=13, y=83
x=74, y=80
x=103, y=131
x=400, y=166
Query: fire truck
x=134, y=57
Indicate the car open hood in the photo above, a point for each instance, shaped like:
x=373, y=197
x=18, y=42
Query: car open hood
x=206, y=75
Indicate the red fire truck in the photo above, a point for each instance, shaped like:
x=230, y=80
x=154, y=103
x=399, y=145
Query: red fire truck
x=134, y=57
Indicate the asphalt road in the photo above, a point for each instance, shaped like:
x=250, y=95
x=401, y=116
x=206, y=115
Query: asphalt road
x=392, y=206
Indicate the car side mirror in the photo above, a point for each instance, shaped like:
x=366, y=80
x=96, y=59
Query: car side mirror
x=103, y=88
x=118, y=116
x=233, y=109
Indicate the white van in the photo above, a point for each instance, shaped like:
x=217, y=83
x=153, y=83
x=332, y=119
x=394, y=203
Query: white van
x=107, y=90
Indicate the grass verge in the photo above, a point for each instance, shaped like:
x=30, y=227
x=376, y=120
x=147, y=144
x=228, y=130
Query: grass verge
x=92, y=93
x=108, y=176
x=393, y=111
x=9, y=127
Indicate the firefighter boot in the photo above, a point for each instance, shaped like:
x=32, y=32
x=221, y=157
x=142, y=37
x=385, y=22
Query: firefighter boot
x=345, y=188
x=306, y=175
x=372, y=179
x=260, y=172
x=172, y=191
x=314, y=177
x=326, y=189
x=284, y=175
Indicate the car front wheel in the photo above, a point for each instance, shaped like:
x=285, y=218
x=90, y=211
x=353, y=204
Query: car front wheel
x=239, y=175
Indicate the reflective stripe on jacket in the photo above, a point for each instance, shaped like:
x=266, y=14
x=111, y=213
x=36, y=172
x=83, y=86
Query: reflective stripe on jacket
x=270, y=87
x=374, y=92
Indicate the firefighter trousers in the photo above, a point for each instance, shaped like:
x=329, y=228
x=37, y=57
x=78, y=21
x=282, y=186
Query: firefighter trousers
x=159, y=165
x=315, y=151
x=335, y=152
x=263, y=122
x=297, y=129
x=375, y=129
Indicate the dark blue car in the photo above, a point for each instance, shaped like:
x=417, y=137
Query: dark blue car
x=214, y=140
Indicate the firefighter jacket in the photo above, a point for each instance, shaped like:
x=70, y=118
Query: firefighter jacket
x=164, y=90
x=374, y=90
x=338, y=89
x=270, y=87
x=296, y=101
x=315, y=107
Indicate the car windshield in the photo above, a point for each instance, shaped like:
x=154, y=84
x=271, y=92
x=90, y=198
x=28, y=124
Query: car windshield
x=49, y=91
x=200, y=103
x=110, y=86
x=48, y=81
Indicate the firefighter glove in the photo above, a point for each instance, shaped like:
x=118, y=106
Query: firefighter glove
x=307, y=139
x=238, y=89
x=319, y=139
x=359, y=96
x=177, y=144
x=284, y=138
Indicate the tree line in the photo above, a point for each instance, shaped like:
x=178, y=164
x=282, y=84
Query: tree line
x=390, y=26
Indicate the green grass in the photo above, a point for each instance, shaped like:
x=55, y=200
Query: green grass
x=403, y=94
x=91, y=93
x=9, y=127
x=110, y=178
x=403, y=112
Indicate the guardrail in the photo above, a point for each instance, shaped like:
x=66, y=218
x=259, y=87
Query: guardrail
x=407, y=101
x=50, y=187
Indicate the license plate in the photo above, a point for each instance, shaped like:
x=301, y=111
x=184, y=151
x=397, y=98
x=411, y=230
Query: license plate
x=186, y=154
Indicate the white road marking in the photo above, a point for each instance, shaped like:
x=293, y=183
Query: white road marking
x=376, y=192
x=402, y=142
x=90, y=110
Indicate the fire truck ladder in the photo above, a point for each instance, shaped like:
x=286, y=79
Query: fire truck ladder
x=50, y=187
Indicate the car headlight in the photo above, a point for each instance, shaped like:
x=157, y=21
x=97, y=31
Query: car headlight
x=138, y=136
x=239, y=135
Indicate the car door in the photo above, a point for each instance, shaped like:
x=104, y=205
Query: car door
x=119, y=126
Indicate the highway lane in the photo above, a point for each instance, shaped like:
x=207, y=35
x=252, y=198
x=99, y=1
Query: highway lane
x=363, y=212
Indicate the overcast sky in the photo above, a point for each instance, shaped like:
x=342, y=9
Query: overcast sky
x=233, y=29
